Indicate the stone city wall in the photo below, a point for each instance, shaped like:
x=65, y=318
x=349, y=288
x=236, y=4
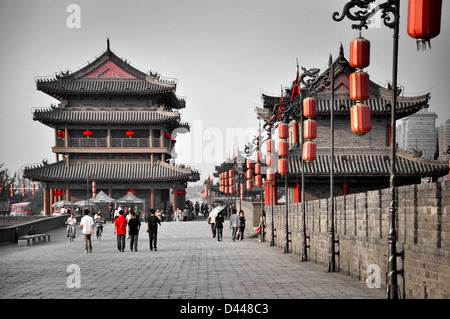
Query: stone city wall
x=361, y=227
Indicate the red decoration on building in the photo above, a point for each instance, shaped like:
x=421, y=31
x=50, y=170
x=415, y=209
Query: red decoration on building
x=87, y=133
x=360, y=53
x=424, y=20
x=258, y=180
x=283, y=149
x=359, y=86
x=61, y=134
x=360, y=119
x=132, y=191
x=295, y=134
x=130, y=133
x=270, y=174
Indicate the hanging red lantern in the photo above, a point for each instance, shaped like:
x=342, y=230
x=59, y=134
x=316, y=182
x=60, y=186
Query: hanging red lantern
x=129, y=133
x=424, y=20
x=360, y=53
x=309, y=152
x=87, y=133
x=249, y=164
x=33, y=190
x=310, y=129
x=258, y=168
x=283, y=149
x=360, y=119
x=359, y=86
x=249, y=185
x=23, y=190
x=270, y=174
x=258, y=180
x=249, y=174
x=270, y=146
x=283, y=166
x=283, y=131
x=61, y=134
x=310, y=107
x=230, y=173
x=258, y=157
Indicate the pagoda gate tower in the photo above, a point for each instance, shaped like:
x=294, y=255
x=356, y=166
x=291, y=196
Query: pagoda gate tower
x=115, y=127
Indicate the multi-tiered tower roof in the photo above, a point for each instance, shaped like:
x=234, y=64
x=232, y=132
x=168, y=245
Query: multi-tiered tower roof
x=117, y=126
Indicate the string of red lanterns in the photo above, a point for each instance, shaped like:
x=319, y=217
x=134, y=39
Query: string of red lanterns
x=309, y=129
x=359, y=86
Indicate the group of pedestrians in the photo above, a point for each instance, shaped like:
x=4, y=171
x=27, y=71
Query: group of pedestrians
x=237, y=225
x=128, y=227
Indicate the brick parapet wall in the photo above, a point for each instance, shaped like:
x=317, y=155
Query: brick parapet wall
x=362, y=225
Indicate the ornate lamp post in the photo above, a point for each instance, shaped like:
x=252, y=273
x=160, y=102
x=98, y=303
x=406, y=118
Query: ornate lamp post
x=423, y=24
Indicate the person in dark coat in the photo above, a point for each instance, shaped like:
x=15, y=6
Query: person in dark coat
x=218, y=226
x=152, y=228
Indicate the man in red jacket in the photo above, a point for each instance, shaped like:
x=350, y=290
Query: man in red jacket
x=120, y=227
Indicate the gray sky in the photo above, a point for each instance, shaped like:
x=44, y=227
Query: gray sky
x=224, y=54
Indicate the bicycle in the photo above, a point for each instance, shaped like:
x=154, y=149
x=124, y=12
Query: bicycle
x=99, y=225
x=71, y=231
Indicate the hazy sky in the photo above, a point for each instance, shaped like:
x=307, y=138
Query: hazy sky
x=224, y=54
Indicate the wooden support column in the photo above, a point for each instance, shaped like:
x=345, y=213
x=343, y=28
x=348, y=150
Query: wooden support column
x=46, y=202
x=345, y=188
x=152, y=198
x=67, y=194
x=51, y=201
x=174, y=198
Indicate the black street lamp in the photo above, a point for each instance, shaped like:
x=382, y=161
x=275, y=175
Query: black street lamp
x=391, y=18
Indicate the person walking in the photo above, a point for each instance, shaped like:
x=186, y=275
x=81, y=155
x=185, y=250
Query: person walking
x=212, y=221
x=87, y=228
x=134, y=225
x=219, y=226
x=241, y=225
x=120, y=228
x=262, y=226
x=234, y=224
x=152, y=229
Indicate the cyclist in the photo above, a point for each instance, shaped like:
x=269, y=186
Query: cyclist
x=71, y=223
x=99, y=221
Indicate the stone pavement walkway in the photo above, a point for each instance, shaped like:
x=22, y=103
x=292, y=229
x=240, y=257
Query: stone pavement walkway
x=189, y=264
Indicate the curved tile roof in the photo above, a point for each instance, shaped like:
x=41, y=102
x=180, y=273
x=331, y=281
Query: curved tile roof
x=110, y=171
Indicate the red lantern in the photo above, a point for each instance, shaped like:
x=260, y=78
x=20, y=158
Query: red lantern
x=129, y=133
x=258, y=167
x=231, y=190
x=360, y=119
x=258, y=157
x=283, y=131
x=360, y=53
x=230, y=173
x=270, y=146
x=258, y=180
x=87, y=133
x=12, y=190
x=249, y=174
x=310, y=129
x=283, y=149
x=33, y=190
x=424, y=20
x=283, y=166
x=249, y=164
x=359, y=86
x=23, y=190
x=309, y=107
x=61, y=134
x=309, y=152
x=270, y=174
x=249, y=184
